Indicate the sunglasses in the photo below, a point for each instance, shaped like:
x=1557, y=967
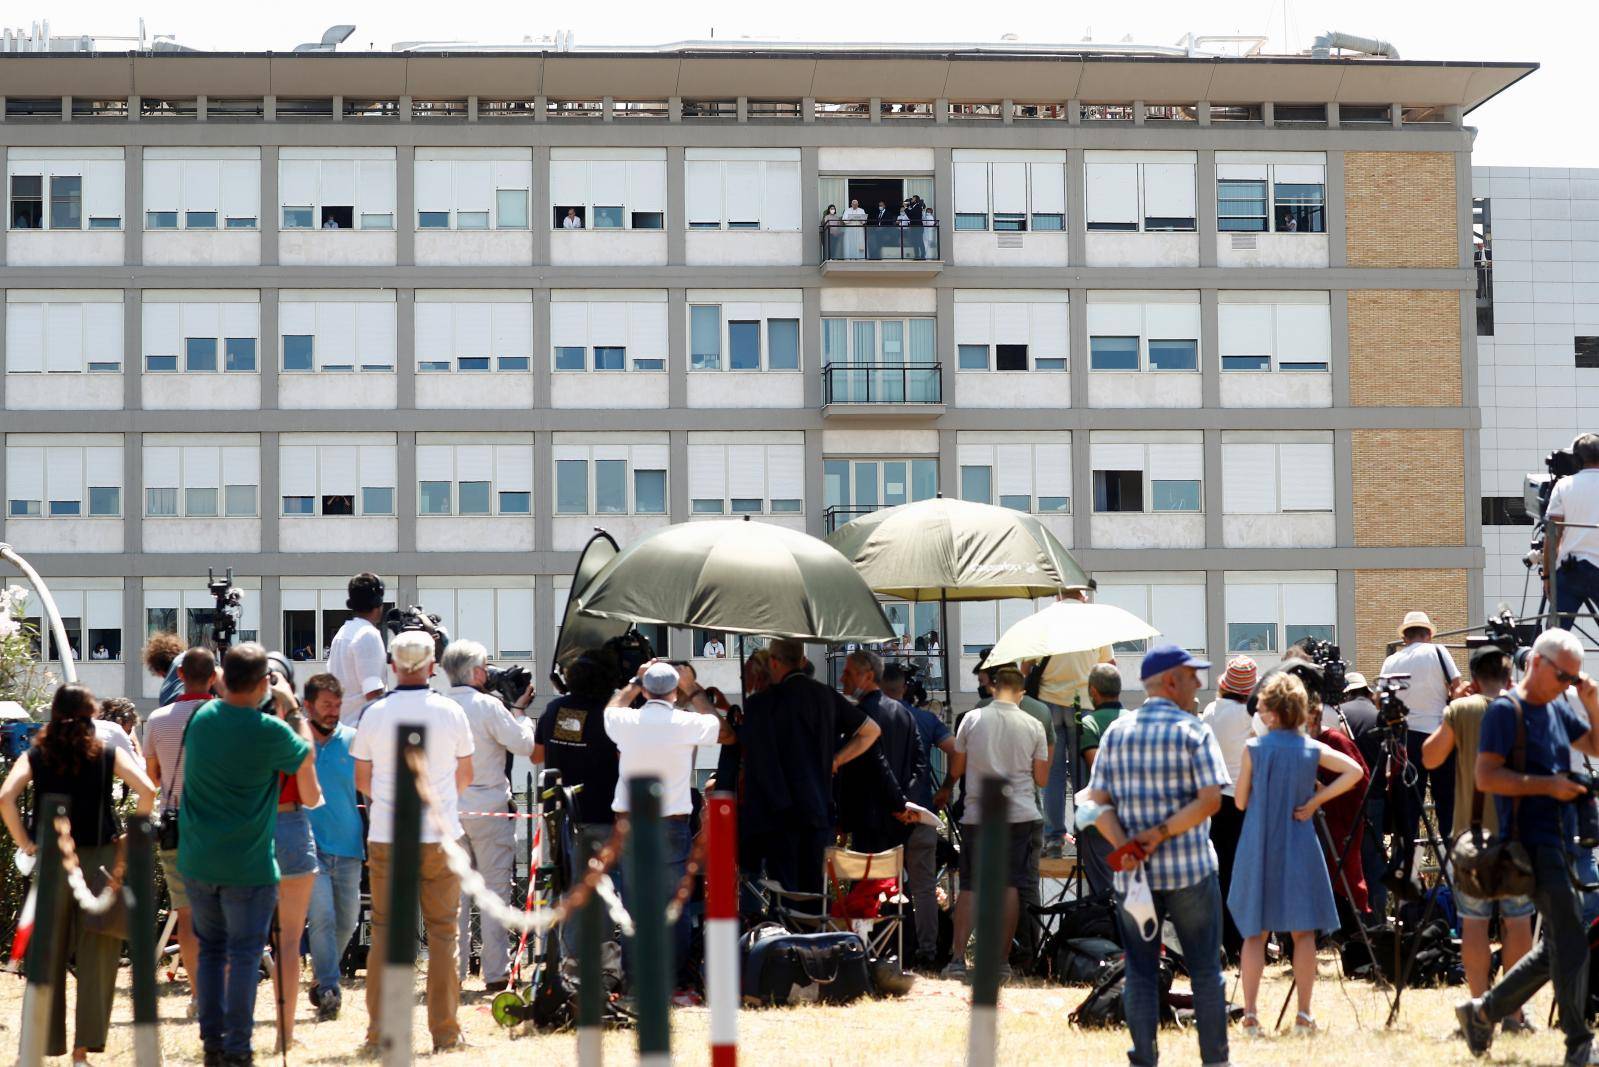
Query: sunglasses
x=1565, y=677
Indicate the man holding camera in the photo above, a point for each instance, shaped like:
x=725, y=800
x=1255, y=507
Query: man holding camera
x=356, y=656
x=1527, y=738
x=491, y=840
x=1572, y=553
x=1434, y=681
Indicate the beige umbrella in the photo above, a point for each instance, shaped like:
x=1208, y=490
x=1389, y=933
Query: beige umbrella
x=1068, y=626
x=741, y=577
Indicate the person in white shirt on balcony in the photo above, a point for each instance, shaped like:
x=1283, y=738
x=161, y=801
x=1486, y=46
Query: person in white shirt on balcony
x=854, y=231
x=356, y=656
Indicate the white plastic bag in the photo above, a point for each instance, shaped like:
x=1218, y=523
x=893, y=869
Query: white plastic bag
x=1139, y=903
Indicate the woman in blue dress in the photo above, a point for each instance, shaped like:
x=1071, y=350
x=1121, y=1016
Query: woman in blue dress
x=1280, y=877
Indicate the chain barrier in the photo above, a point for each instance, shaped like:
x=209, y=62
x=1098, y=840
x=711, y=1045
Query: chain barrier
x=89, y=902
x=595, y=881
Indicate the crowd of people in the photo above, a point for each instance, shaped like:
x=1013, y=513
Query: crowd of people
x=884, y=232
x=1264, y=814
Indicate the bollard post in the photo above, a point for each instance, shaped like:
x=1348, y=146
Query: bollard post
x=721, y=926
x=139, y=883
x=989, y=907
x=49, y=932
x=405, y=881
x=590, y=991
x=652, y=947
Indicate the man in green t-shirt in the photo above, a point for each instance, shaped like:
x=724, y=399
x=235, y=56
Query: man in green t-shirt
x=1105, y=694
x=233, y=753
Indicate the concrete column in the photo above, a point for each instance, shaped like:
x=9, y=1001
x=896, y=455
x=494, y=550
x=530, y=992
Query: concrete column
x=132, y=203
x=1332, y=122
x=875, y=115
x=1082, y=492
x=1337, y=217
x=272, y=612
x=1338, y=361
x=1203, y=113
x=405, y=489
x=405, y=205
x=811, y=348
x=271, y=505
x=608, y=109
x=1140, y=112
x=540, y=218
x=1396, y=115
x=1216, y=622
x=811, y=207
x=200, y=105
x=808, y=109
x=941, y=113
x=815, y=499
x=543, y=356
x=1346, y=611
x=136, y=104
x=66, y=109
x=1344, y=488
x=1209, y=350
x=132, y=634
x=1205, y=206
x=545, y=625
x=1076, y=211
x=1006, y=109
x=132, y=494
x=949, y=473
x=541, y=111
x=543, y=503
x=674, y=109
x=271, y=210
x=676, y=207
x=269, y=350
x=132, y=348
x=1211, y=495
x=1268, y=114
x=1074, y=114
x=677, y=355
x=4, y=169
x=338, y=109
x=944, y=342
x=1077, y=345
x=269, y=108
x=405, y=349
x=471, y=109
x=742, y=108
x=3, y=342
x=677, y=499
x=944, y=203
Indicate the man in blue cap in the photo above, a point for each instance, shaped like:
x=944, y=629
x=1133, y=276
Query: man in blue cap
x=1158, y=776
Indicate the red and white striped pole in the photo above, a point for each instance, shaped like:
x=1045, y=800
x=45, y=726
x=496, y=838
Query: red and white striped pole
x=721, y=926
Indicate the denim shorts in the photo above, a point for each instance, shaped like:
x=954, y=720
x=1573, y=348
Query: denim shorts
x=1509, y=907
x=295, y=846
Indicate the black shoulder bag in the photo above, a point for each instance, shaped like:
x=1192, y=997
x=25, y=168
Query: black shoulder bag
x=1489, y=867
x=167, y=827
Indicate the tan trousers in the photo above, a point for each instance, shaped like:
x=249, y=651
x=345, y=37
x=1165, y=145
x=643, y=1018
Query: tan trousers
x=441, y=902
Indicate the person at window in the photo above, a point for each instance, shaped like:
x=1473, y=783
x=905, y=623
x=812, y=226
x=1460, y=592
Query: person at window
x=497, y=733
x=355, y=656
x=830, y=226
x=1434, y=681
x=1523, y=766
x=572, y=221
x=340, y=845
x=854, y=231
x=1290, y=224
x=100, y=652
x=330, y=223
x=67, y=759
x=1571, y=553
x=929, y=232
x=1229, y=722
x=713, y=649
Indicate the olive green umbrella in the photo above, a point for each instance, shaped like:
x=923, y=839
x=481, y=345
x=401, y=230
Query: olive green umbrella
x=742, y=577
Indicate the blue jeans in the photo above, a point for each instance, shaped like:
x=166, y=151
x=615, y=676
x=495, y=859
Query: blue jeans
x=1060, y=770
x=1195, y=910
x=596, y=834
x=231, y=924
x=1371, y=851
x=335, y=908
x=1576, y=581
x=678, y=843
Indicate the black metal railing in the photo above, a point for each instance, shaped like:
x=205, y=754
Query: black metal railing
x=929, y=665
x=841, y=514
x=878, y=242
x=882, y=383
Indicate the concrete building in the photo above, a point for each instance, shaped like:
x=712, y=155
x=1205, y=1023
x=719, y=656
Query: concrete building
x=440, y=314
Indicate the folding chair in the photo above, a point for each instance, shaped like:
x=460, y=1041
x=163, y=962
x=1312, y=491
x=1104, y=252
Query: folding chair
x=873, y=902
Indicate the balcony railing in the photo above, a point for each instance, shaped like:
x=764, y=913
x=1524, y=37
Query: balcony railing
x=842, y=514
x=882, y=383
x=874, y=242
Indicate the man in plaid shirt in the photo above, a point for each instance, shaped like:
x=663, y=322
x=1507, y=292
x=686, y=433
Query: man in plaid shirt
x=1159, y=776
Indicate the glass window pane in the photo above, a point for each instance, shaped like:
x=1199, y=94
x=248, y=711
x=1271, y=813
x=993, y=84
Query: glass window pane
x=835, y=483
x=649, y=220
x=972, y=357
x=297, y=218
x=866, y=484
x=746, y=506
x=240, y=223
x=513, y=363
x=1010, y=357
x=744, y=346
x=786, y=507
x=66, y=202
x=1113, y=353
x=610, y=487
x=377, y=222
x=105, y=501
x=160, y=501
x=432, y=220
x=377, y=500
x=200, y=353
x=1016, y=503
x=200, y=502
x=971, y=220
x=434, y=498
x=1293, y=634
x=515, y=503
x=299, y=505
x=571, y=358
x=782, y=344
x=475, y=498
x=1173, y=355
x=1246, y=363
x=471, y=220
x=511, y=209
x=610, y=358
x=1251, y=637
x=705, y=337
x=473, y=363
x=297, y=352
x=338, y=504
x=240, y=499
x=1057, y=504
x=977, y=484
x=607, y=218
x=199, y=220
x=160, y=363
x=1051, y=221
x=707, y=506
x=649, y=492
x=66, y=507
x=239, y=354
x=571, y=487
x=1174, y=496
x=924, y=479
x=160, y=220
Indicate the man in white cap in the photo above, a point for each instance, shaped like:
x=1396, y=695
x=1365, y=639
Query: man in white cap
x=447, y=751
x=658, y=740
x=1434, y=682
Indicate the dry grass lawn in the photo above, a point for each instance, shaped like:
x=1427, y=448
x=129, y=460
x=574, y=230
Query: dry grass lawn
x=928, y=1027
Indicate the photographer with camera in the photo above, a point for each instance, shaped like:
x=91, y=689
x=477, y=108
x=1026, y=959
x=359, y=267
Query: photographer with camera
x=356, y=656
x=1572, y=554
x=1434, y=681
x=496, y=732
x=1533, y=728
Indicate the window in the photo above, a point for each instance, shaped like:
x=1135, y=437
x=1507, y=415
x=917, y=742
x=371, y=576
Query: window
x=195, y=189
x=1264, y=331
x=608, y=335
x=210, y=481
x=1157, y=476
x=499, y=616
x=336, y=336
x=740, y=474
x=33, y=107
x=1133, y=331
x=1505, y=511
x=978, y=111
x=1586, y=352
x=610, y=479
x=313, y=616
x=208, y=336
x=439, y=109
x=1140, y=191
x=710, y=109
x=1300, y=114
x=91, y=615
x=476, y=479
x=47, y=480
x=1276, y=192
x=1010, y=191
x=65, y=189
x=1268, y=613
x=1236, y=113
x=1365, y=114
x=1173, y=603
x=454, y=333
x=755, y=336
x=1056, y=112
x=767, y=110
x=232, y=109
x=505, y=109
x=44, y=335
x=1261, y=476
x=608, y=188
x=880, y=361
x=355, y=478
x=474, y=193
x=855, y=487
x=1025, y=476
x=336, y=188
x=743, y=189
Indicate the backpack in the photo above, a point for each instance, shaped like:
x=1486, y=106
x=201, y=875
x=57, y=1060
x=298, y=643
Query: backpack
x=1102, y=1008
x=1437, y=955
x=1079, y=960
x=780, y=968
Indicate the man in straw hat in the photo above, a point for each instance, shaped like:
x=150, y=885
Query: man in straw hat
x=1434, y=682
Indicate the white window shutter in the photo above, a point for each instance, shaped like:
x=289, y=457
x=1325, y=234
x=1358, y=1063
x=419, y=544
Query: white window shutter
x=474, y=186
x=1052, y=467
x=1249, y=479
x=63, y=339
x=433, y=185
x=1008, y=613
x=25, y=336
x=202, y=185
x=971, y=188
x=1013, y=470
x=102, y=609
x=513, y=174
x=1169, y=190
x=1047, y=188
x=608, y=322
x=978, y=623
x=646, y=185
x=970, y=455
x=785, y=471
x=241, y=320
x=163, y=185
x=474, y=463
x=297, y=470
x=374, y=333
x=297, y=182
x=568, y=182
x=434, y=334
x=1178, y=612
x=202, y=320
x=1300, y=173
x=1010, y=187
x=1107, y=456
x=646, y=330
x=295, y=318
x=1251, y=602
x=296, y=600
x=25, y=473
x=513, y=468
x=1304, y=333
x=569, y=324
x=707, y=472
x=435, y=463
x=1012, y=324
x=376, y=192
x=608, y=183
x=1310, y=604
x=742, y=187
x=474, y=334
x=335, y=334
x=241, y=465
x=338, y=470
x=1049, y=329
x=102, y=189
x=1115, y=319
x=514, y=618
x=474, y=615
x=1172, y=321
x=704, y=191
x=241, y=188
x=1244, y=329
x=161, y=468
x=1176, y=463
x=103, y=466
x=336, y=181
x=1110, y=193
x=1307, y=477
x=1241, y=171
x=781, y=210
x=974, y=324
x=63, y=473
x=746, y=472
x=202, y=467
x=377, y=466
x=512, y=325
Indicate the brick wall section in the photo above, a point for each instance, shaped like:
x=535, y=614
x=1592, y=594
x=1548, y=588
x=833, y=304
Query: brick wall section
x=1410, y=487
x=1401, y=209
x=1383, y=596
x=1404, y=348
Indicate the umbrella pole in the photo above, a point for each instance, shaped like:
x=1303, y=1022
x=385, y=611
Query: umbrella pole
x=943, y=651
x=743, y=697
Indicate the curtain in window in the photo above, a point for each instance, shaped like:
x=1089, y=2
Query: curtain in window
x=922, y=385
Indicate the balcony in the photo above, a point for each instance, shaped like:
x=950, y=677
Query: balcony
x=883, y=390
x=911, y=251
x=842, y=514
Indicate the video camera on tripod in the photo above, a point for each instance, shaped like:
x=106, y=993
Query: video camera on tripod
x=1391, y=711
x=1333, y=675
x=226, y=612
x=506, y=683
